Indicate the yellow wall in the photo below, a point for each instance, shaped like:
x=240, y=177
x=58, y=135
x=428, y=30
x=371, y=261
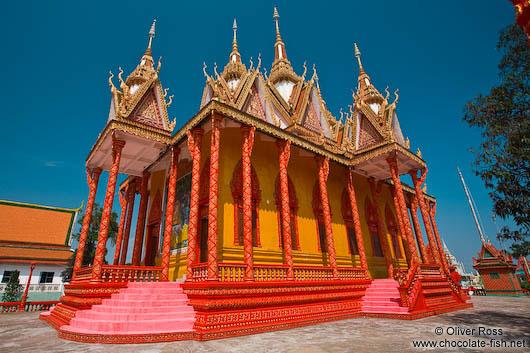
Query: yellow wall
x=303, y=173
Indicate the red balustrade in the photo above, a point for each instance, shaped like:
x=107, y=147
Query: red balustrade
x=120, y=274
x=29, y=306
x=235, y=272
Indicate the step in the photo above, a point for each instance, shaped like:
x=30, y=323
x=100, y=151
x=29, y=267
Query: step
x=382, y=290
x=379, y=303
x=139, y=309
x=112, y=326
x=153, y=285
x=382, y=299
x=148, y=296
x=144, y=303
x=384, y=309
x=68, y=328
x=152, y=290
x=132, y=316
x=382, y=295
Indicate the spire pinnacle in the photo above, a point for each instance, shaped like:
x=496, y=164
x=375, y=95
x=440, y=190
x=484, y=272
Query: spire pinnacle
x=276, y=18
x=151, y=36
x=234, y=55
x=357, y=54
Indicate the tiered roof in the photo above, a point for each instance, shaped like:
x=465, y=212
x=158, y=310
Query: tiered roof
x=489, y=256
x=35, y=233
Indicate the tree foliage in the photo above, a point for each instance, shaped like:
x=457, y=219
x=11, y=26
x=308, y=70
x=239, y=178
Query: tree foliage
x=503, y=158
x=92, y=239
x=13, y=291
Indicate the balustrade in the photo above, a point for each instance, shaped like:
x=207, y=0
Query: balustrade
x=29, y=306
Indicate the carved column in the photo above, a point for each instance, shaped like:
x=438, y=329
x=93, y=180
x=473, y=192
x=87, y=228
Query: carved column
x=92, y=177
x=169, y=212
x=401, y=227
x=117, y=146
x=123, y=214
x=194, y=146
x=284, y=155
x=432, y=213
x=131, y=193
x=212, y=270
x=323, y=173
x=248, y=143
x=398, y=189
x=424, y=211
x=356, y=220
x=417, y=229
x=140, y=223
x=375, y=190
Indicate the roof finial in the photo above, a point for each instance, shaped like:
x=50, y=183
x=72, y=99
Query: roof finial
x=151, y=36
x=234, y=43
x=276, y=18
x=357, y=54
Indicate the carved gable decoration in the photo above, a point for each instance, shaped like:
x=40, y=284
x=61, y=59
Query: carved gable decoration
x=367, y=134
x=254, y=106
x=148, y=111
x=311, y=120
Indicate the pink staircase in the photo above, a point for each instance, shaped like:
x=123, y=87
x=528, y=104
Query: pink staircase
x=383, y=297
x=140, y=308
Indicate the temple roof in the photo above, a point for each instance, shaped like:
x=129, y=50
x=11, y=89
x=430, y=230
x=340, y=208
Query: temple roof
x=490, y=256
x=35, y=233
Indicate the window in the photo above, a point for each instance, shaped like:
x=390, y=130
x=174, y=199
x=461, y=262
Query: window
x=494, y=275
x=371, y=219
x=322, y=234
x=352, y=239
x=46, y=277
x=7, y=276
x=348, y=222
x=319, y=218
x=237, y=193
x=393, y=230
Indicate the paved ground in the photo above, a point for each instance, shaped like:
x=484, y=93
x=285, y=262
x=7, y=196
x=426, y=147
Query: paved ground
x=25, y=333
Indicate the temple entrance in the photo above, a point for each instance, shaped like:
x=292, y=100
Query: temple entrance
x=153, y=231
x=203, y=240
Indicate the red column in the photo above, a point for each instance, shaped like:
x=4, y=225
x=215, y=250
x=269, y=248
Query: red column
x=194, y=146
x=92, y=177
x=401, y=226
x=424, y=212
x=375, y=190
x=131, y=193
x=213, y=198
x=25, y=296
x=323, y=173
x=356, y=221
x=169, y=212
x=283, y=157
x=398, y=189
x=140, y=223
x=248, y=143
x=432, y=213
x=123, y=214
x=117, y=146
x=417, y=229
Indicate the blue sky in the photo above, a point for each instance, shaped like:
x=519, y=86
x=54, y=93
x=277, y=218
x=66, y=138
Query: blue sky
x=57, y=55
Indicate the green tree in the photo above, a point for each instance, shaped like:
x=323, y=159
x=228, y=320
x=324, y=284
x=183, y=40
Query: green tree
x=503, y=158
x=92, y=239
x=13, y=291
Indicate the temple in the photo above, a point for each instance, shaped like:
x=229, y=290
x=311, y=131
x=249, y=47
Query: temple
x=262, y=212
x=497, y=271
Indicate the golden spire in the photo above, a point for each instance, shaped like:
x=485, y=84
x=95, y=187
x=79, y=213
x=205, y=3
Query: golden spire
x=357, y=54
x=234, y=55
x=279, y=45
x=151, y=36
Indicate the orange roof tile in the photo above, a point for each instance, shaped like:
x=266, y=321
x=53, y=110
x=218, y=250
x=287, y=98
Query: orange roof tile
x=35, y=224
x=34, y=254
